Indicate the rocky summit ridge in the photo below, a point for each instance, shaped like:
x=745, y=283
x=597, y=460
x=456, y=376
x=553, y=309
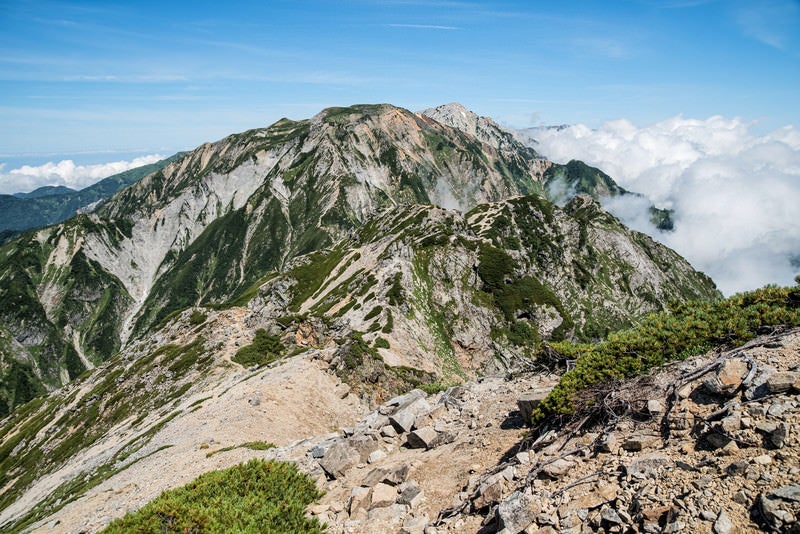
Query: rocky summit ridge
x=279, y=284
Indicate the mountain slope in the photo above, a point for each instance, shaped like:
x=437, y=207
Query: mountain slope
x=212, y=226
x=209, y=225
x=51, y=205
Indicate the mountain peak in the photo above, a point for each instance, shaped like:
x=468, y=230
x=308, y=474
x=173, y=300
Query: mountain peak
x=456, y=116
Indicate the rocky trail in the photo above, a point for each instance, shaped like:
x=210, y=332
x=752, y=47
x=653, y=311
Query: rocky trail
x=705, y=445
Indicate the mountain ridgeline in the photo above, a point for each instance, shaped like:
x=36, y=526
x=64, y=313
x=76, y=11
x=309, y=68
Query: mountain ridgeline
x=432, y=231
x=50, y=205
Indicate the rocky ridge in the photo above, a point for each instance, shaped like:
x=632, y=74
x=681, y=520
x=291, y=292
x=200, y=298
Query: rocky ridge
x=711, y=444
x=707, y=445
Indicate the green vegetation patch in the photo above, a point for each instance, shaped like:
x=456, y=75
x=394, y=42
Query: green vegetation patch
x=263, y=350
x=257, y=496
x=252, y=445
x=686, y=329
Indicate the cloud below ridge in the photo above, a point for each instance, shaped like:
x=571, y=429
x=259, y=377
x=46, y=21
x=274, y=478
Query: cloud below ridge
x=736, y=195
x=65, y=173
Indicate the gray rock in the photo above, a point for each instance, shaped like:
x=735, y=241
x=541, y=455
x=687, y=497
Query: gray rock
x=339, y=458
x=723, y=524
x=777, y=438
x=788, y=493
x=609, y=515
x=782, y=381
x=422, y=438
x=392, y=475
x=557, y=469
x=640, y=442
x=344, y=454
x=517, y=512
x=410, y=406
x=410, y=495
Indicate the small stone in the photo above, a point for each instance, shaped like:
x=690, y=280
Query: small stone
x=608, y=443
x=376, y=456
x=640, y=442
x=610, y=515
x=741, y=497
x=708, y=515
x=654, y=407
x=723, y=524
x=557, y=469
x=764, y=459
x=777, y=438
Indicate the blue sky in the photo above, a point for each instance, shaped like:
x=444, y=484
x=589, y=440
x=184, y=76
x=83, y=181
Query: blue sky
x=86, y=80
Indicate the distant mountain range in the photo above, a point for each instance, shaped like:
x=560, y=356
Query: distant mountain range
x=53, y=204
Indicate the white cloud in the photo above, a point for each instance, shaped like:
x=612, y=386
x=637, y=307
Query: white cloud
x=65, y=173
x=736, y=194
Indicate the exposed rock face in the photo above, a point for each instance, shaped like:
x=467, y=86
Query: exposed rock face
x=224, y=219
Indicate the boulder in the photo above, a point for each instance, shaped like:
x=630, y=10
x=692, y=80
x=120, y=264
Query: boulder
x=339, y=458
x=410, y=494
x=422, y=438
x=728, y=377
x=344, y=454
x=383, y=495
x=392, y=475
x=407, y=411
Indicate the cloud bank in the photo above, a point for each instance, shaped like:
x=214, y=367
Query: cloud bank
x=736, y=195
x=65, y=173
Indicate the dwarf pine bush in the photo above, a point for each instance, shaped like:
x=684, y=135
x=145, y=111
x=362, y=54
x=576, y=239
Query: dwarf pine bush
x=255, y=497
